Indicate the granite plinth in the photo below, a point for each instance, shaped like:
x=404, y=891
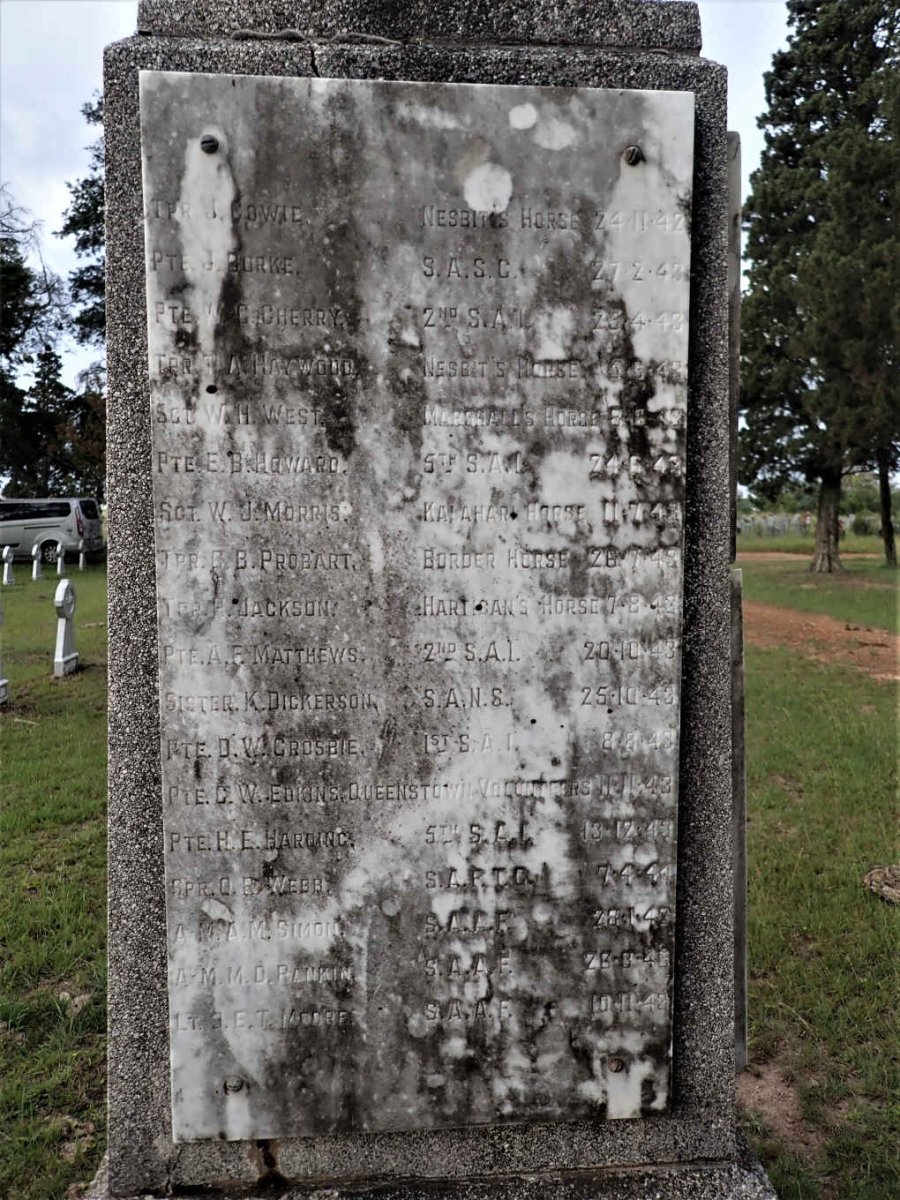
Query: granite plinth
x=743, y=1180
x=648, y=24
x=701, y=1122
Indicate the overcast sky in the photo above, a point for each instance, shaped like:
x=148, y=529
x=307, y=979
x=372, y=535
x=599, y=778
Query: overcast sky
x=50, y=65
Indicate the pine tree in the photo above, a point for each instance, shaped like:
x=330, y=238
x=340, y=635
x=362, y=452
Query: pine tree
x=84, y=433
x=32, y=299
x=820, y=325
x=32, y=316
x=52, y=438
x=83, y=220
x=34, y=455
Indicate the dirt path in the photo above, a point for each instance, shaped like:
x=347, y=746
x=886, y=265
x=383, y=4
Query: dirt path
x=823, y=638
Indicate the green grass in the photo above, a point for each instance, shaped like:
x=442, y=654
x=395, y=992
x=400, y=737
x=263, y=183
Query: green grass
x=822, y=774
x=52, y=893
x=799, y=543
x=864, y=594
x=804, y=544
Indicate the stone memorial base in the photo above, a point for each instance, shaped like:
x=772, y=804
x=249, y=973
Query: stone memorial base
x=744, y=1180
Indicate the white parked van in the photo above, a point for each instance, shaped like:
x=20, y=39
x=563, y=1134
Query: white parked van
x=49, y=524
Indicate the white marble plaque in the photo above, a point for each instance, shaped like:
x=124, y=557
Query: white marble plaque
x=418, y=361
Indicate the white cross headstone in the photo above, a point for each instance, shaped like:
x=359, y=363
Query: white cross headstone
x=36, y=572
x=7, y=565
x=4, y=682
x=81, y=555
x=65, y=658
x=60, y=561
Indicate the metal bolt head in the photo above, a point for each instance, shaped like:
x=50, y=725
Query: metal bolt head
x=633, y=155
x=616, y=1065
x=209, y=144
x=233, y=1083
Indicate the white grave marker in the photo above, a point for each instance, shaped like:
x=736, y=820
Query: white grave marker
x=60, y=561
x=8, y=566
x=36, y=572
x=81, y=555
x=65, y=658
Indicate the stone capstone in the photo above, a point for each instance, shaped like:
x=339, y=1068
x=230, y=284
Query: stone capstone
x=648, y=24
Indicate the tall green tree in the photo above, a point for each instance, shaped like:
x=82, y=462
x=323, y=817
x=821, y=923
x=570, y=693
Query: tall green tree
x=37, y=463
x=820, y=318
x=83, y=220
x=84, y=434
x=32, y=318
x=52, y=437
x=33, y=301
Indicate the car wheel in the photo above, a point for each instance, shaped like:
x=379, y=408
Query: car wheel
x=48, y=553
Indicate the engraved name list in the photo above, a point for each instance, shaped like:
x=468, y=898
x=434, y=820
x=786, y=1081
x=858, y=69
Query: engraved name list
x=418, y=366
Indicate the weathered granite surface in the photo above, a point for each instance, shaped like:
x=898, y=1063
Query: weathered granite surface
x=741, y=1021
x=735, y=214
x=649, y=24
x=701, y=1124
x=729, y=1182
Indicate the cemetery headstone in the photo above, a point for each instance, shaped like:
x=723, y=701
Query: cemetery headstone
x=420, y=776
x=60, y=561
x=65, y=656
x=8, y=577
x=81, y=554
x=36, y=567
